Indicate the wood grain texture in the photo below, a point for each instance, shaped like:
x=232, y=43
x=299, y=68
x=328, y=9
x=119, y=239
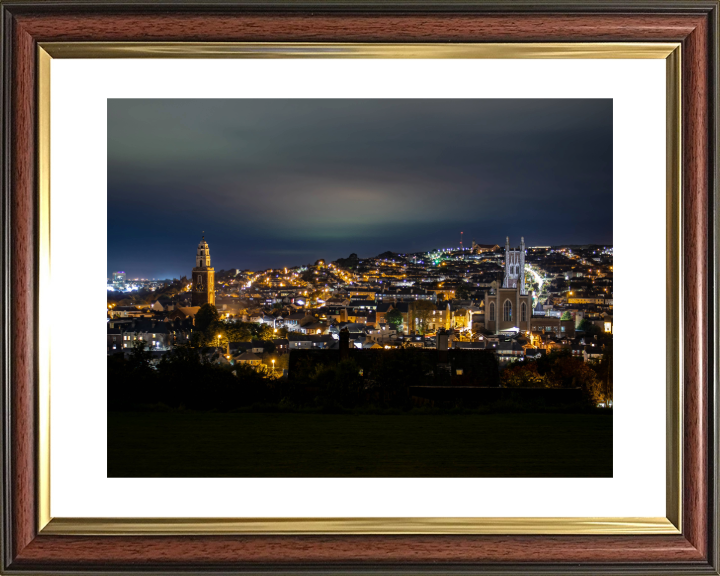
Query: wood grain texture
x=687, y=553
x=223, y=551
x=319, y=27
x=696, y=309
x=22, y=291
x=695, y=190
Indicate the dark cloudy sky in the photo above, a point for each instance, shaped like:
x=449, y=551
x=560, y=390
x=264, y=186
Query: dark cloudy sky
x=284, y=182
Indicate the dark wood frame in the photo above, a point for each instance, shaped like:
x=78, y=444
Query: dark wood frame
x=24, y=24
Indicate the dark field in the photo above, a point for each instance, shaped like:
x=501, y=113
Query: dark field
x=184, y=444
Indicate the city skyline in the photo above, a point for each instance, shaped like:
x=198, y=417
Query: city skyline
x=276, y=183
x=328, y=260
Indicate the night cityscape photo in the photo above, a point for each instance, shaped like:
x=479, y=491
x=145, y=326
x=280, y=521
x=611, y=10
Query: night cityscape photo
x=360, y=288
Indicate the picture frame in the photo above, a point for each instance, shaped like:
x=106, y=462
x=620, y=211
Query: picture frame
x=685, y=541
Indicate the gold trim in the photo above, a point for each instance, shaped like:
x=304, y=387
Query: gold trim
x=44, y=303
x=674, y=322
x=587, y=526
x=613, y=50
x=177, y=526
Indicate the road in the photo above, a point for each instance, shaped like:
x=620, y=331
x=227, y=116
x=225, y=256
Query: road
x=538, y=278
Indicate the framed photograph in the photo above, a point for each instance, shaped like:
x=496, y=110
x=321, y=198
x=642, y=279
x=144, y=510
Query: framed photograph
x=366, y=265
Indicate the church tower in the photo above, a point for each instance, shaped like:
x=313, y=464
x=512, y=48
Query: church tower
x=508, y=308
x=203, y=277
x=514, y=266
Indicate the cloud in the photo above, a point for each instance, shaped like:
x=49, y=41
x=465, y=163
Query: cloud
x=354, y=172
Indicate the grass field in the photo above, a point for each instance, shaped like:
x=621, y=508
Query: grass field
x=187, y=444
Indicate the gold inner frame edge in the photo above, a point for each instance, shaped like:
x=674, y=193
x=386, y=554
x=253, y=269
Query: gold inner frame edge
x=521, y=525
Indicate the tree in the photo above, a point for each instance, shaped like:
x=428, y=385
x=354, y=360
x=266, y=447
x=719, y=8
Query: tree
x=339, y=385
x=263, y=332
x=133, y=381
x=604, y=372
x=206, y=316
x=566, y=316
x=557, y=370
x=394, y=318
x=140, y=356
x=524, y=375
x=422, y=310
x=237, y=332
x=463, y=292
x=588, y=327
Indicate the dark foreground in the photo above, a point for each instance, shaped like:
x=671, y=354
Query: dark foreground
x=202, y=444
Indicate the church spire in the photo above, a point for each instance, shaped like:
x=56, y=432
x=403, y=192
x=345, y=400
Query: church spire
x=202, y=258
x=203, y=291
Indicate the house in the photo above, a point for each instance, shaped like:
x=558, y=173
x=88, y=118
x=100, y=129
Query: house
x=188, y=311
x=162, y=306
x=249, y=359
x=605, y=324
x=131, y=312
x=313, y=328
x=300, y=343
x=533, y=353
x=295, y=321
x=547, y=324
x=114, y=340
x=321, y=341
x=337, y=301
x=157, y=335
x=508, y=351
x=592, y=354
x=235, y=348
x=381, y=312
x=357, y=316
x=362, y=304
x=269, y=320
x=282, y=345
x=457, y=344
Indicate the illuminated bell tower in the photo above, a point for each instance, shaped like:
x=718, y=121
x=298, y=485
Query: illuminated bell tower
x=515, y=266
x=203, y=277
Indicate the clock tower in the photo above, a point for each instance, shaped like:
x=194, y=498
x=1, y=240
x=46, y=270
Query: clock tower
x=203, y=277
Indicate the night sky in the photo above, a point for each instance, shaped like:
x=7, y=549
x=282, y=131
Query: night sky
x=279, y=182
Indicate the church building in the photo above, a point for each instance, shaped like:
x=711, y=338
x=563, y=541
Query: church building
x=509, y=306
x=203, y=277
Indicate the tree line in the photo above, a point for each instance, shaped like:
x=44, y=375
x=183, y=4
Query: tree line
x=562, y=370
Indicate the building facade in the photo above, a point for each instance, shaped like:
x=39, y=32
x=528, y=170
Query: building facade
x=203, y=277
x=509, y=306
